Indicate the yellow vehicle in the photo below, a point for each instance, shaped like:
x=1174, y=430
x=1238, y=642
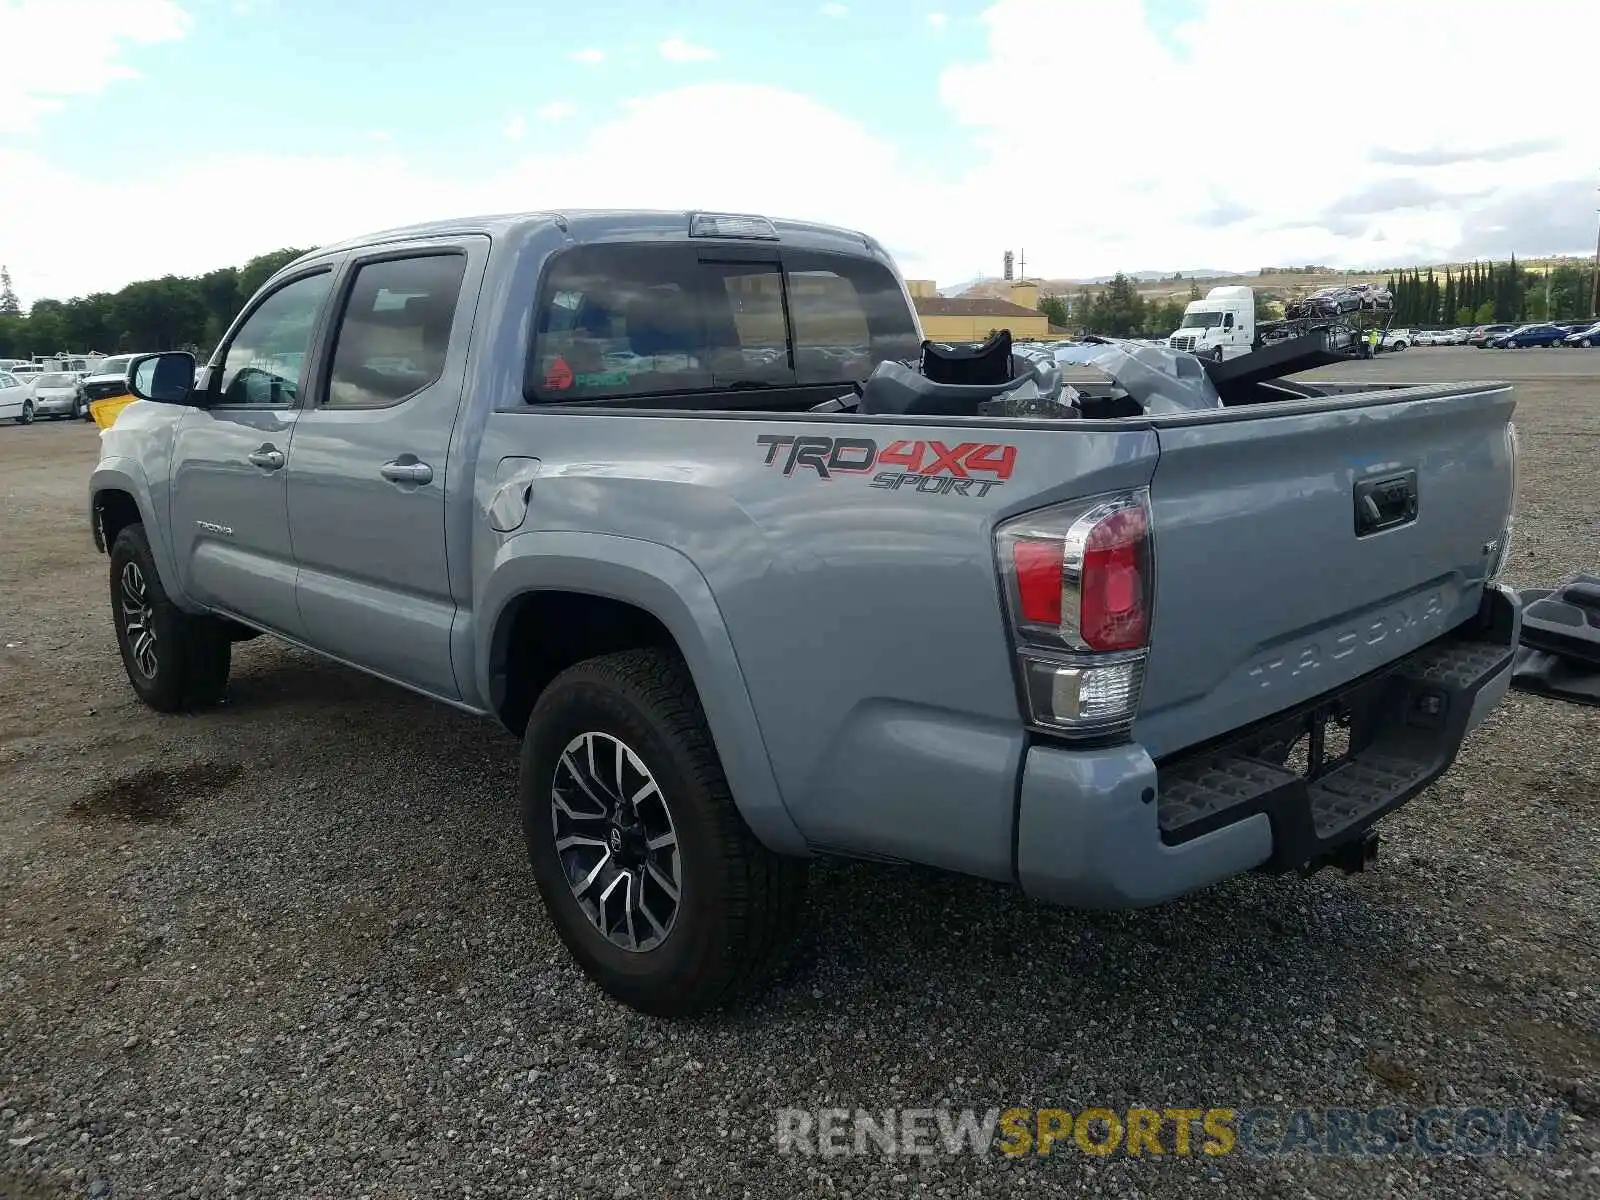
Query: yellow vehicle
x=105, y=411
x=107, y=389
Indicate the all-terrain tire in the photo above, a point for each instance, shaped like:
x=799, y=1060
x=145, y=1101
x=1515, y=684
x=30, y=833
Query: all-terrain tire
x=184, y=665
x=739, y=905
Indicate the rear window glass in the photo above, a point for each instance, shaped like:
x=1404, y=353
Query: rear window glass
x=623, y=321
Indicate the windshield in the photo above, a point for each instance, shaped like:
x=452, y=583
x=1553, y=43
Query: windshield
x=114, y=366
x=54, y=381
x=1201, y=320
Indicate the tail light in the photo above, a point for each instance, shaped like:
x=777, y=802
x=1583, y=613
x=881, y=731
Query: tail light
x=1503, y=551
x=1079, y=582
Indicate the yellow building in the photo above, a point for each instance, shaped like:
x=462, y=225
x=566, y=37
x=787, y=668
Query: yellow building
x=974, y=318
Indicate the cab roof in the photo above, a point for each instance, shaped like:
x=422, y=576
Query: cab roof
x=600, y=224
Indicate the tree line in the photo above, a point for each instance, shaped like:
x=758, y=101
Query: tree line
x=1474, y=294
x=1117, y=310
x=1480, y=293
x=175, y=312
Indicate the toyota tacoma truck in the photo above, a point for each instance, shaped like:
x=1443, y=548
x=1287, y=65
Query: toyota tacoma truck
x=684, y=502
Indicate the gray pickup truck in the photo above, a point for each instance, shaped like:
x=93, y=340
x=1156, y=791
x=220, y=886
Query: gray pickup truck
x=676, y=500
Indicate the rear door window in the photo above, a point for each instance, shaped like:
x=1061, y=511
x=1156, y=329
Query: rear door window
x=395, y=329
x=632, y=321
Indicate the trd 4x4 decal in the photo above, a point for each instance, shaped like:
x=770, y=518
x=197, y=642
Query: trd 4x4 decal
x=933, y=468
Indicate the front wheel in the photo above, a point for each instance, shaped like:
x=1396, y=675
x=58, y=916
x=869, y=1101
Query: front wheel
x=655, y=884
x=25, y=417
x=175, y=661
x=1216, y=354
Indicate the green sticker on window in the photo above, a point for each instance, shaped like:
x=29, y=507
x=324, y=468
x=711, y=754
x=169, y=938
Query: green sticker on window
x=602, y=378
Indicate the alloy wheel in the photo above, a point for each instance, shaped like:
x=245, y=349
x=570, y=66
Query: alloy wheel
x=616, y=841
x=137, y=620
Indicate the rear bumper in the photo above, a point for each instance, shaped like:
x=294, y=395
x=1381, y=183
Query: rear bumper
x=1111, y=828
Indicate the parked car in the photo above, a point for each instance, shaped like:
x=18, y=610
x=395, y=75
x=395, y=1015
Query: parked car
x=1396, y=339
x=55, y=394
x=695, y=586
x=1484, y=334
x=1538, y=334
x=16, y=399
x=1588, y=335
x=105, y=392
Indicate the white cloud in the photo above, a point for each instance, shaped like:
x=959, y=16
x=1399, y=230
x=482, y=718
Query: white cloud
x=57, y=49
x=589, y=57
x=938, y=20
x=1181, y=168
x=516, y=125
x=834, y=10
x=1178, y=169
x=557, y=110
x=680, y=50
x=382, y=136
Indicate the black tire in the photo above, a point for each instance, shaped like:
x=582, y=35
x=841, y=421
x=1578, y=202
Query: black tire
x=1216, y=354
x=1586, y=343
x=25, y=417
x=185, y=665
x=739, y=905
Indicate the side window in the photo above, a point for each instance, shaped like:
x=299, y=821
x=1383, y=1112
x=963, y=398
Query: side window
x=1227, y=321
x=262, y=366
x=849, y=315
x=394, y=332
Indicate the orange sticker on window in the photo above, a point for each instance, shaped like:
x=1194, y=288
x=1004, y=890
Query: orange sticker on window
x=559, y=377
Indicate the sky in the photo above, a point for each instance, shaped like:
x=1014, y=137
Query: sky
x=147, y=137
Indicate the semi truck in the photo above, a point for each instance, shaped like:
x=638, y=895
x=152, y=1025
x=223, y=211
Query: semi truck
x=1221, y=326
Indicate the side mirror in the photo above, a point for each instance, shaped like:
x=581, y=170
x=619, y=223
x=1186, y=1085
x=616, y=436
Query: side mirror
x=165, y=378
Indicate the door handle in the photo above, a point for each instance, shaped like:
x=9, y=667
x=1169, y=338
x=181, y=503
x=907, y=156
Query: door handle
x=269, y=457
x=406, y=469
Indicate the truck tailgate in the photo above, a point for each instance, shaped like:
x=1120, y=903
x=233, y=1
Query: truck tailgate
x=1298, y=547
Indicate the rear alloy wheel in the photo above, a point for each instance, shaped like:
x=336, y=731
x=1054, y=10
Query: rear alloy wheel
x=617, y=842
x=652, y=879
x=25, y=417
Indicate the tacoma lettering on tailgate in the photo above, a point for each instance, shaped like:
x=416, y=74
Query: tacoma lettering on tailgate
x=1340, y=643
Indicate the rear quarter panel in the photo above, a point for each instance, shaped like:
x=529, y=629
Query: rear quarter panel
x=866, y=620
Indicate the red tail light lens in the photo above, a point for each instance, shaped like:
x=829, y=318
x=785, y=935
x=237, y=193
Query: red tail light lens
x=1079, y=575
x=1079, y=583
x=1113, y=612
x=1038, y=563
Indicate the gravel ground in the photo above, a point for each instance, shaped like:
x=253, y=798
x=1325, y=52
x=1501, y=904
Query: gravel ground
x=277, y=950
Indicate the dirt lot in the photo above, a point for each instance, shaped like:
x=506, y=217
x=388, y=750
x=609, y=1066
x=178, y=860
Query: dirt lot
x=290, y=947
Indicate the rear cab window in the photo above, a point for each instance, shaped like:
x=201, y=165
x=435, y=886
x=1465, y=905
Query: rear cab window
x=617, y=322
